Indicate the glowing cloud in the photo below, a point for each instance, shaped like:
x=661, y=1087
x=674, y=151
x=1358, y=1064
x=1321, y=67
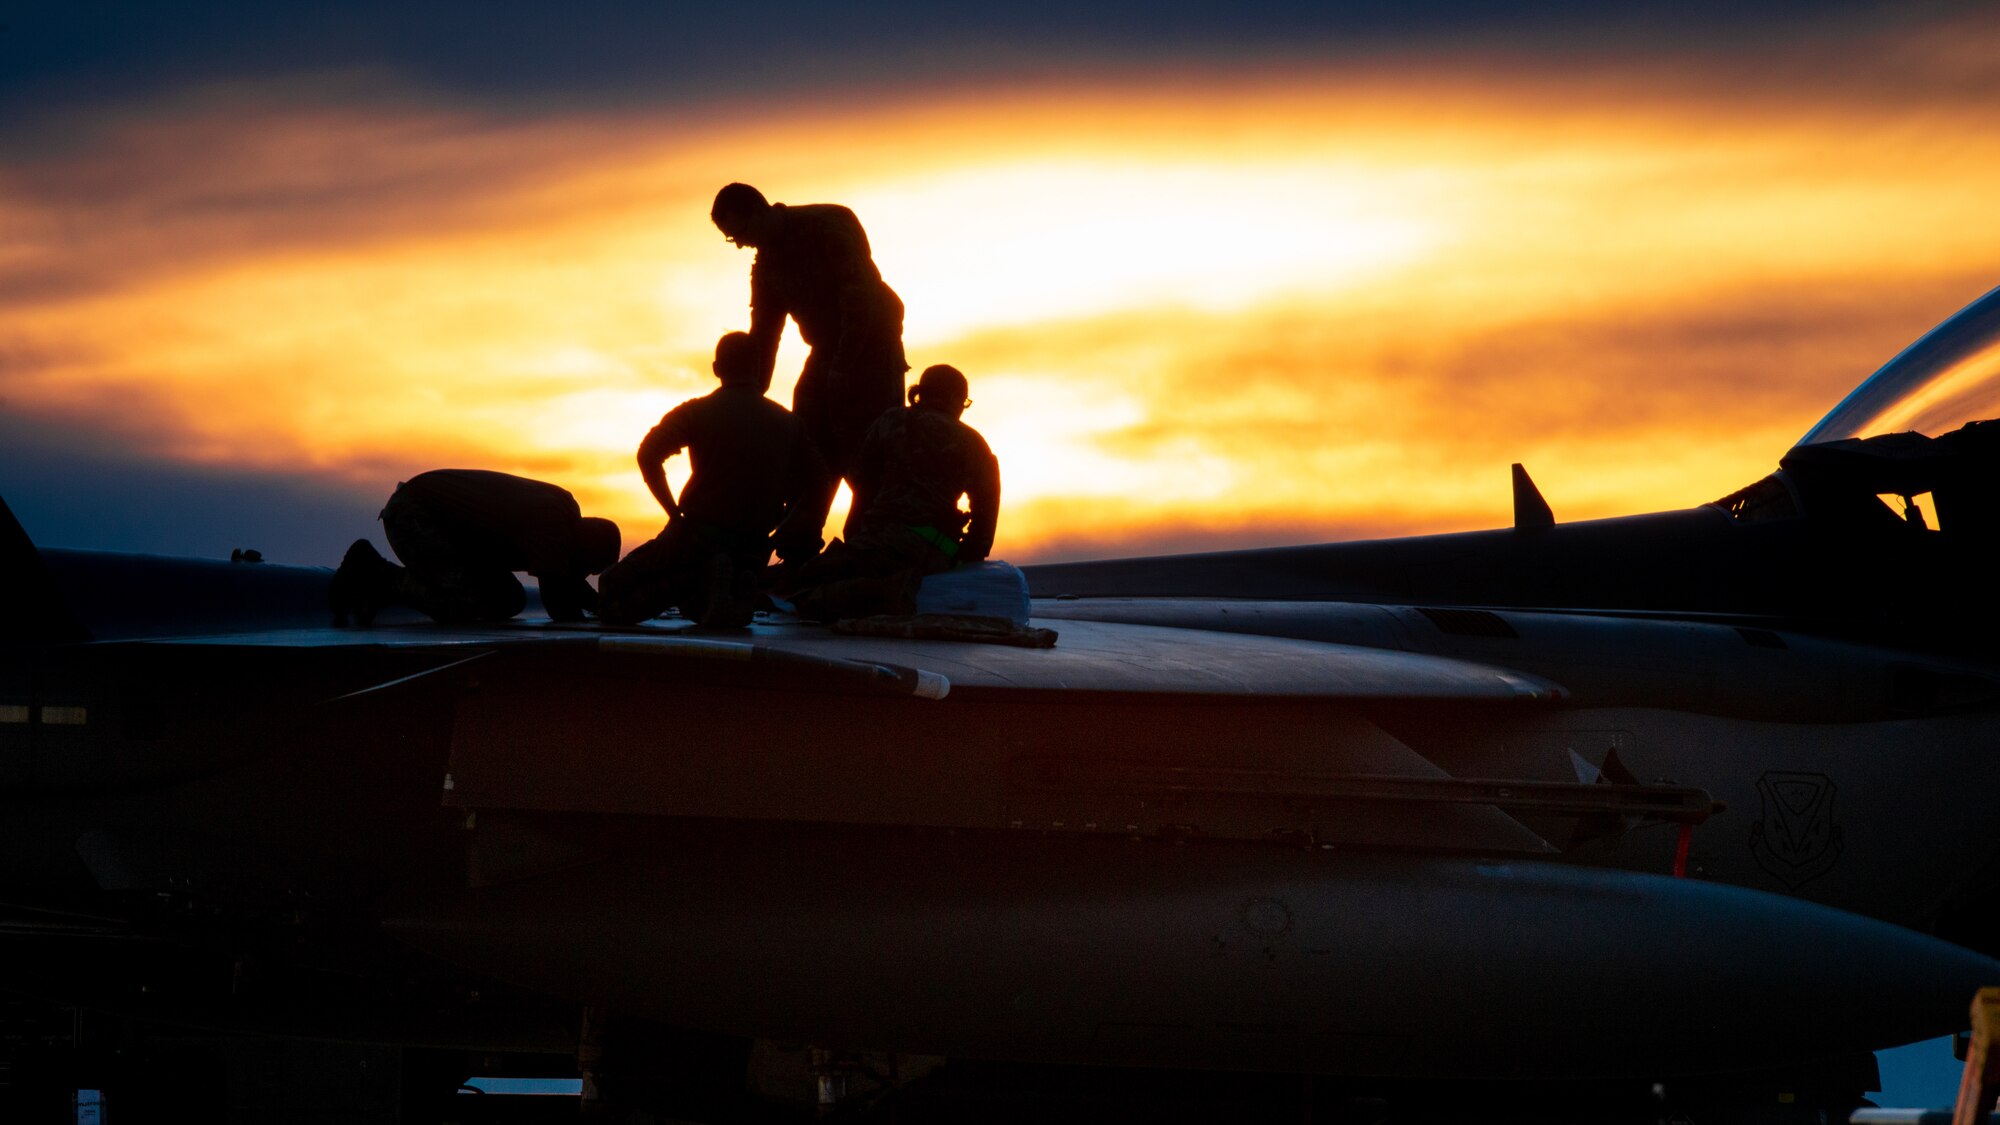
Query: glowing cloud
x=1239, y=314
x=1043, y=240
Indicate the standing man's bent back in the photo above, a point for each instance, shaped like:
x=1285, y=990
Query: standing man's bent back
x=814, y=266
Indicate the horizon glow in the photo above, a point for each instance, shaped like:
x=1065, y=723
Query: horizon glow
x=1310, y=308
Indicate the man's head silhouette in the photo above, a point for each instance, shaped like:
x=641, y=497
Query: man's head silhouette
x=736, y=359
x=596, y=544
x=741, y=213
x=941, y=387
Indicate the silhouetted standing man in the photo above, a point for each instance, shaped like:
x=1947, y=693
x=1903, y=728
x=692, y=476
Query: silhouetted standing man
x=813, y=265
x=758, y=484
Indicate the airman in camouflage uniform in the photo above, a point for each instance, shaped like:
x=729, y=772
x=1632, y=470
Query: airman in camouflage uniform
x=914, y=466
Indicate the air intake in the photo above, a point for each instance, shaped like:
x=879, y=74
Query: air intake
x=1761, y=638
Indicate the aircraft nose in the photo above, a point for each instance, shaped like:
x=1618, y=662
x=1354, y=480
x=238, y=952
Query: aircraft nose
x=1709, y=976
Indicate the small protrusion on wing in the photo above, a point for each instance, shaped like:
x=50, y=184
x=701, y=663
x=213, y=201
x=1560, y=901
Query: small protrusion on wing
x=1530, y=510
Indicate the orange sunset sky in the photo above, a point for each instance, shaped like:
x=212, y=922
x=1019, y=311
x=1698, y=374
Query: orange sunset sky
x=1262, y=297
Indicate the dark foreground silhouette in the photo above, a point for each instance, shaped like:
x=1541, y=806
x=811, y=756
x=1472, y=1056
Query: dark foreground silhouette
x=461, y=534
x=758, y=485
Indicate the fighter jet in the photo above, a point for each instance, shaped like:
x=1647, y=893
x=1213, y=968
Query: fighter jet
x=1672, y=814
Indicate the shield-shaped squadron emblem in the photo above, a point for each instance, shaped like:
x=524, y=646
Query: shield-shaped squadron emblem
x=1796, y=840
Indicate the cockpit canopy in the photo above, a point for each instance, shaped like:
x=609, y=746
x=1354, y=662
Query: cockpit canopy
x=1949, y=377
x=1914, y=448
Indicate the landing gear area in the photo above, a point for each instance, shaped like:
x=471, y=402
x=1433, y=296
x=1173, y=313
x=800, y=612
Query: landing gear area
x=60, y=1065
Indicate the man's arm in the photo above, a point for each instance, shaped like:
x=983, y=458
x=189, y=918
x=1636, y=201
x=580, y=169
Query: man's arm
x=983, y=491
x=661, y=442
x=767, y=320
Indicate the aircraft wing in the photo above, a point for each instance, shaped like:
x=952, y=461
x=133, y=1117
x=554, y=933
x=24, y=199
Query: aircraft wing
x=1123, y=727
x=1092, y=657
x=790, y=722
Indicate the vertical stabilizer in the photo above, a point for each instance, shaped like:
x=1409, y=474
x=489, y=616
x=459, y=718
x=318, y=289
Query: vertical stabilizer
x=36, y=611
x=1530, y=510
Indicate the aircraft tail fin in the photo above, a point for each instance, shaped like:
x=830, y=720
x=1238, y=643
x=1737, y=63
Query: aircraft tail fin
x=1530, y=510
x=38, y=612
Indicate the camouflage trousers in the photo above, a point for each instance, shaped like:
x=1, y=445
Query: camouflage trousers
x=877, y=571
x=837, y=406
